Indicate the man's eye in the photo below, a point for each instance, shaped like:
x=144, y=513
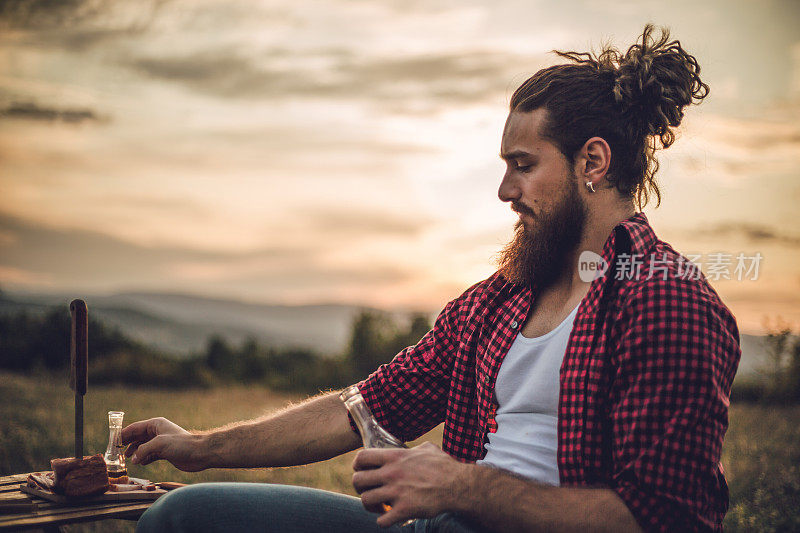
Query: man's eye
x=524, y=168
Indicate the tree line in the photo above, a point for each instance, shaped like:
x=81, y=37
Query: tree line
x=34, y=342
x=778, y=380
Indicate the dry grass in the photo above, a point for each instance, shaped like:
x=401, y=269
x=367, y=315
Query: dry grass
x=37, y=421
x=761, y=451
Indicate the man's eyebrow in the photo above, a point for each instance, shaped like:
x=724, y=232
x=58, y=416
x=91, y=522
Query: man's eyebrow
x=516, y=154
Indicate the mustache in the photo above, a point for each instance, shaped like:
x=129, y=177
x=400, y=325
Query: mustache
x=522, y=209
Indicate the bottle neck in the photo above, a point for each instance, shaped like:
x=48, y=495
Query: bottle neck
x=372, y=434
x=361, y=414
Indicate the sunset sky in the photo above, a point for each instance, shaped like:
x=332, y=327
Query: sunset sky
x=346, y=150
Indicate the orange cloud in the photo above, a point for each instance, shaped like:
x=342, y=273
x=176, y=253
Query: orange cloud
x=19, y=276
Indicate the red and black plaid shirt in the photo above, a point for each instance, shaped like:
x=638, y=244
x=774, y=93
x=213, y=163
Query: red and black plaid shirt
x=644, y=385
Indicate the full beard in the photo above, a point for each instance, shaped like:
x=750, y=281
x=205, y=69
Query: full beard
x=539, y=255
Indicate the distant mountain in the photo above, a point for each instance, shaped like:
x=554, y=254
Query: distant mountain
x=180, y=324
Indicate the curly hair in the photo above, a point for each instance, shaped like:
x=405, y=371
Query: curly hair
x=632, y=100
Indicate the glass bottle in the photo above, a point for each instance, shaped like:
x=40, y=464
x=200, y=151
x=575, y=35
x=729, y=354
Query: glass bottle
x=114, y=456
x=373, y=435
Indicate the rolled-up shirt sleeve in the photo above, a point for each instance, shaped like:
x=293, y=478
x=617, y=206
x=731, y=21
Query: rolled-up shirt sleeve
x=669, y=404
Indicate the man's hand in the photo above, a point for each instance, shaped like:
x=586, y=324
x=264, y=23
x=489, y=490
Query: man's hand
x=158, y=438
x=421, y=482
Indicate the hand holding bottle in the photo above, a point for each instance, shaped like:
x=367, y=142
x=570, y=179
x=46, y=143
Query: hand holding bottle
x=402, y=484
x=420, y=482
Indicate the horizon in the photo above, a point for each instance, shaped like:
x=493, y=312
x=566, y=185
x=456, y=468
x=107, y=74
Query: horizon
x=346, y=152
x=199, y=296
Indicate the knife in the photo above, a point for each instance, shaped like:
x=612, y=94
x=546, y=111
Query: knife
x=79, y=366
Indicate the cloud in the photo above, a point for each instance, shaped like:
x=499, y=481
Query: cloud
x=795, y=87
x=20, y=276
x=46, y=13
x=234, y=50
x=735, y=148
x=282, y=276
x=354, y=223
x=76, y=14
x=335, y=73
x=77, y=25
x=35, y=256
x=31, y=111
x=80, y=256
x=154, y=205
x=752, y=232
x=7, y=237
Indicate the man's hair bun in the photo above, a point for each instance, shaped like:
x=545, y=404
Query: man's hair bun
x=632, y=100
x=654, y=81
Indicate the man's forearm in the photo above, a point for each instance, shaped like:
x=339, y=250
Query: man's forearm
x=314, y=430
x=500, y=501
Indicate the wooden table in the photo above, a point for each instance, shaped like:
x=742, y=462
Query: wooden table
x=36, y=513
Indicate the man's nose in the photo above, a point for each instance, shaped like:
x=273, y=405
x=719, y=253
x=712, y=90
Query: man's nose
x=508, y=190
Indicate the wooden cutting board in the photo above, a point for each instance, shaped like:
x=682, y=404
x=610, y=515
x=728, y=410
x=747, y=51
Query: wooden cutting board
x=105, y=497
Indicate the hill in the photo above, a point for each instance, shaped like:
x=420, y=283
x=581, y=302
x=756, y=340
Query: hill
x=180, y=324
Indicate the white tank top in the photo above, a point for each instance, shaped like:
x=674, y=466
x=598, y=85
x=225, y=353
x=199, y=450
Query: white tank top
x=527, y=390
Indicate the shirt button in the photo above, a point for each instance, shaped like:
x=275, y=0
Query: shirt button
x=514, y=324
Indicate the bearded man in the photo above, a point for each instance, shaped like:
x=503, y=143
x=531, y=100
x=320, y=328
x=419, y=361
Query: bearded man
x=569, y=402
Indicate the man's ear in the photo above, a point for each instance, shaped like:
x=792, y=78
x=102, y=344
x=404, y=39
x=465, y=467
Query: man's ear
x=594, y=160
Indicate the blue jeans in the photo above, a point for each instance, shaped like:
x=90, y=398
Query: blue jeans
x=279, y=508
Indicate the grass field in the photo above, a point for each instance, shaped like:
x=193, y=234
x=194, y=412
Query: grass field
x=761, y=454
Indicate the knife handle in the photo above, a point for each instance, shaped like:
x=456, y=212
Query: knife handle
x=170, y=485
x=79, y=347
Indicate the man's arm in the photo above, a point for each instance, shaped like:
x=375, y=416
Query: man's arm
x=425, y=481
x=314, y=430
